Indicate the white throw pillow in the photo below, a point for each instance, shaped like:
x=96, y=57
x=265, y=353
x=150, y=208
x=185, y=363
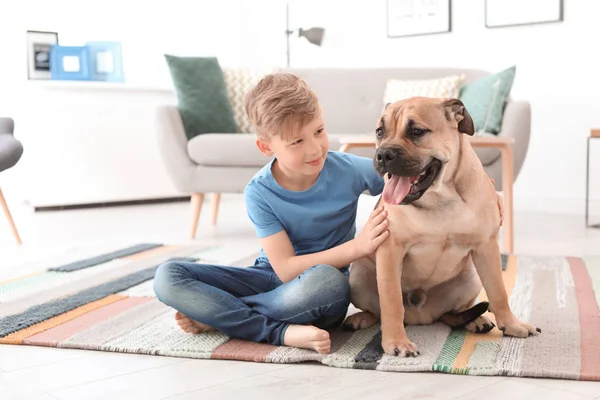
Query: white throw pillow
x=444, y=87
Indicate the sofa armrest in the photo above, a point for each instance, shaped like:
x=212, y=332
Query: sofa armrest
x=516, y=123
x=172, y=145
x=11, y=151
x=7, y=125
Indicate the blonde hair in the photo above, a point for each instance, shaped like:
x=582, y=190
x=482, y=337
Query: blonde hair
x=280, y=104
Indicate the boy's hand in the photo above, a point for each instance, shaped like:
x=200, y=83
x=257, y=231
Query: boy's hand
x=374, y=232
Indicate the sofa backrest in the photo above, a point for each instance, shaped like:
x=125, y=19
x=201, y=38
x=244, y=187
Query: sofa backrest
x=352, y=98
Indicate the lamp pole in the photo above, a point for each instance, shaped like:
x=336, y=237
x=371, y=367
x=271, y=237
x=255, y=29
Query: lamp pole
x=288, y=33
x=313, y=35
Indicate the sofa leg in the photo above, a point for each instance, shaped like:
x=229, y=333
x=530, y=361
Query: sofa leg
x=197, y=200
x=11, y=222
x=216, y=199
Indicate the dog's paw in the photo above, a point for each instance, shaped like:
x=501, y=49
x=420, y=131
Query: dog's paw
x=401, y=347
x=516, y=328
x=480, y=325
x=360, y=320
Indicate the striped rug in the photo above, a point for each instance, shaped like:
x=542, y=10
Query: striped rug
x=105, y=302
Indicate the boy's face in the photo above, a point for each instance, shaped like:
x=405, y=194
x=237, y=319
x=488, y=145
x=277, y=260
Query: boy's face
x=303, y=152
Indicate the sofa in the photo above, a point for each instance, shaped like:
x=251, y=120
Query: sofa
x=351, y=100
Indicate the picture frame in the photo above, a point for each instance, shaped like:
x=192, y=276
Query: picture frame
x=106, y=61
x=418, y=17
x=509, y=13
x=39, y=47
x=70, y=63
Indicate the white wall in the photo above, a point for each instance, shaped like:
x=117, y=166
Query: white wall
x=559, y=78
x=70, y=131
x=558, y=71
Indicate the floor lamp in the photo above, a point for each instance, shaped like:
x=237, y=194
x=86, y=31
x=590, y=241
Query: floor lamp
x=313, y=35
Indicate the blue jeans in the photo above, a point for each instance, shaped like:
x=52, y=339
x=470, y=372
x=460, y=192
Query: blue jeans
x=252, y=303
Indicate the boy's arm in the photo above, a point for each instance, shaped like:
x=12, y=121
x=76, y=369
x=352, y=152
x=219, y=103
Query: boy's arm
x=280, y=252
x=287, y=265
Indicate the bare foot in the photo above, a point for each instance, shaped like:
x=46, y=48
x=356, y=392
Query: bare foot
x=190, y=326
x=307, y=337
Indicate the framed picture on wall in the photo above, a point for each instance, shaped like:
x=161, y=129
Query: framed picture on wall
x=501, y=13
x=418, y=17
x=39, y=45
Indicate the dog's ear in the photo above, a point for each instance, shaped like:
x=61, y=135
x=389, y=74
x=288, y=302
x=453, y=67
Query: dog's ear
x=456, y=110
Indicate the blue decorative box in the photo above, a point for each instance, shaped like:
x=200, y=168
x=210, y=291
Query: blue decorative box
x=70, y=63
x=106, y=61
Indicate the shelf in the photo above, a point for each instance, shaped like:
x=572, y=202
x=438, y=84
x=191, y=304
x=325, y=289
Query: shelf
x=95, y=85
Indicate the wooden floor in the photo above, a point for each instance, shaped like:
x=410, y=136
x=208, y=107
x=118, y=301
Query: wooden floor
x=50, y=374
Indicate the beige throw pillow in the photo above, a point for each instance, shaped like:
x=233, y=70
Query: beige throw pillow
x=444, y=87
x=238, y=82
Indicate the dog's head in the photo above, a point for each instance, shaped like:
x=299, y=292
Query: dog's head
x=416, y=140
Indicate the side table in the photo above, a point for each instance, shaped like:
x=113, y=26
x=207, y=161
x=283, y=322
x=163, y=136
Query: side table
x=594, y=134
x=502, y=143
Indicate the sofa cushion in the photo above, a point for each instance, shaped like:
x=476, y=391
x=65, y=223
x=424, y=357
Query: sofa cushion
x=216, y=149
x=201, y=95
x=488, y=95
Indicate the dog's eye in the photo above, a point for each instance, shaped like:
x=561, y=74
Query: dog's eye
x=379, y=133
x=418, y=132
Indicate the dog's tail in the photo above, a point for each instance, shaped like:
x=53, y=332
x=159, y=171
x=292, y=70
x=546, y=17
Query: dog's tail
x=459, y=320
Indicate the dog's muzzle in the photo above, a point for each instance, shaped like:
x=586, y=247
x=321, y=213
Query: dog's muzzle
x=396, y=161
x=407, y=178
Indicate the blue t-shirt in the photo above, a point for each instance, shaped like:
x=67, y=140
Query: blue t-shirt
x=320, y=217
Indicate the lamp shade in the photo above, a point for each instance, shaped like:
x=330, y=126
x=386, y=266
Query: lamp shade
x=313, y=35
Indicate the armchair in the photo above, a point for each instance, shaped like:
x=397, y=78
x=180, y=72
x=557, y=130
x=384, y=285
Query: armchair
x=11, y=151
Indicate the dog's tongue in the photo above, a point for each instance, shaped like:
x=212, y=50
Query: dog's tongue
x=396, y=189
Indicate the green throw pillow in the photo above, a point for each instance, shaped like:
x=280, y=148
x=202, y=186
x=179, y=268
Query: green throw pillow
x=477, y=97
x=201, y=95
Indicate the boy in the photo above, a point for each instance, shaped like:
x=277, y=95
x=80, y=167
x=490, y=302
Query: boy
x=303, y=207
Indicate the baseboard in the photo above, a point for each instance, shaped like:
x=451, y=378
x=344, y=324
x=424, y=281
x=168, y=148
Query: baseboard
x=111, y=204
x=557, y=205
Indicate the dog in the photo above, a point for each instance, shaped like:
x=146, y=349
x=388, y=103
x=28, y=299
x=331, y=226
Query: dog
x=444, y=219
